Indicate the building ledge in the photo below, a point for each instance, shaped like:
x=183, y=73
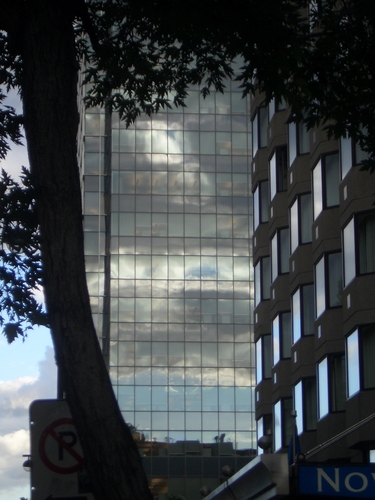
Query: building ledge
x=265, y=477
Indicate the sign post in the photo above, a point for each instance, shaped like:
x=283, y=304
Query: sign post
x=57, y=471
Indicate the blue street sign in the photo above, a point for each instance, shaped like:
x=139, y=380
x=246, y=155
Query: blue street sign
x=342, y=481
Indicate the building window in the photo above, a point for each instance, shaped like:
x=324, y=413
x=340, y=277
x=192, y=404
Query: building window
x=281, y=336
x=303, y=312
x=261, y=203
x=262, y=278
x=264, y=428
x=352, y=363
x=359, y=246
x=263, y=126
x=350, y=154
x=331, y=384
x=360, y=355
x=298, y=140
x=303, y=139
x=292, y=142
x=366, y=243
x=305, y=404
x=337, y=382
x=300, y=221
x=346, y=156
x=349, y=252
x=280, y=253
x=328, y=282
x=278, y=171
x=330, y=171
x=275, y=106
x=271, y=109
x=283, y=423
x=263, y=358
x=326, y=183
x=259, y=129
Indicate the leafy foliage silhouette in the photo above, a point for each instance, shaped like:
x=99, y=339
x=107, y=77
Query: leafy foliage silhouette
x=21, y=265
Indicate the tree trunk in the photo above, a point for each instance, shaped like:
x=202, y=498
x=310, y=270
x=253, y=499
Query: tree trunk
x=49, y=95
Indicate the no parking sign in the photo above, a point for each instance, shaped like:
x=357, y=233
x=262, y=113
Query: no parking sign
x=57, y=471
x=60, y=436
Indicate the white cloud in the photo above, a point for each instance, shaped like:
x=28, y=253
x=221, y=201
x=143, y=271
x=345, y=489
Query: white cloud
x=12, y=447
x=15, y=398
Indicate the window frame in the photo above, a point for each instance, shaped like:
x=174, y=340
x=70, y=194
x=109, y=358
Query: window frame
x=324, y=277
x=304, y=421
x=301, y=316
x=359, y=247
x=262, y=112
x=280, y=350
x=261, y=203
x=321, y=184
x=264, y=426
x=260, y=275
x=260, y=134
x=278, y=255
x=302, y=132
x=327, y=386
x=297, y=235
x=346, y=156
x=351, y=155
x=263, y=348
x=275, y=106
x=353, y=260
x=362, y=356
x=282, y=431
x=278, y=171
x=297, y=131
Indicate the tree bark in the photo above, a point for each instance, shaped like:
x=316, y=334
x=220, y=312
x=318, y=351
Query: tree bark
x=49, y=95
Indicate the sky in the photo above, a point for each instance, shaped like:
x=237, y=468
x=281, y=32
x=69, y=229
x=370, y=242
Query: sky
x=27, y=373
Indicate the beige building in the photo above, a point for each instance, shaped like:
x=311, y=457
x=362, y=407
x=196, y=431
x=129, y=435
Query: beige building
x=314, y=315
x=314, y=258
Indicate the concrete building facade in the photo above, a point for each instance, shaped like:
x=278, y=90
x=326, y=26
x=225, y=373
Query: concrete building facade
x=314, y=258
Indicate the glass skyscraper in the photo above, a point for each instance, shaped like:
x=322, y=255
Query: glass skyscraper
x=167, y=217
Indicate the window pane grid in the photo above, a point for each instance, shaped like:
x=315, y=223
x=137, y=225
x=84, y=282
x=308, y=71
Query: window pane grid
x=180, y=272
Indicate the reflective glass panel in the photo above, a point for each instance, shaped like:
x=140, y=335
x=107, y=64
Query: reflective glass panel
x=323, y=397
x=352, y=364
x=349, y=252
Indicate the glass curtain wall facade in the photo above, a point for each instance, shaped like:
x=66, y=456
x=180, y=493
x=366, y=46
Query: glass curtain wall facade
x=167, y=218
